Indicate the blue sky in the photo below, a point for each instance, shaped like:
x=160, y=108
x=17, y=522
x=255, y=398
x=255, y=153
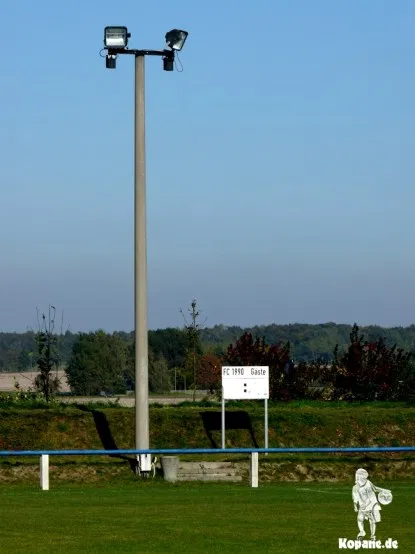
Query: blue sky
x=280, y=163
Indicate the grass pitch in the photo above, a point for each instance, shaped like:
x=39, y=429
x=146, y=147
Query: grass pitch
x=153, y=516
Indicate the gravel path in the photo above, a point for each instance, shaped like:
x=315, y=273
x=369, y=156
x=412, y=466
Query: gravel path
x=127, y=401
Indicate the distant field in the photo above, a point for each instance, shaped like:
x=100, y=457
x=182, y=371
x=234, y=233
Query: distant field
x=155, y=517
x=25, y=380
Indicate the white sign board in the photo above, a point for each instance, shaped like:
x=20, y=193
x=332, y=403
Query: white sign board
x=245, y=382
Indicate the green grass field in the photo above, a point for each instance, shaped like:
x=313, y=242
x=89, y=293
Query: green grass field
x=154, y=516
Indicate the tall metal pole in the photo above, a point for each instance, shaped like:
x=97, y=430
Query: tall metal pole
x=140, y=271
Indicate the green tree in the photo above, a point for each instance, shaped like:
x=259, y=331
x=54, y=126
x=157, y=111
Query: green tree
x=159, y=374
x=170, y=343
x=47, y=355
x=194, y=346
x=129, y=374
x=97, y=363
x=159, y=378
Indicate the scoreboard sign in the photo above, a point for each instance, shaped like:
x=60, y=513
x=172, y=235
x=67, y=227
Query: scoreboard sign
x=245, y=382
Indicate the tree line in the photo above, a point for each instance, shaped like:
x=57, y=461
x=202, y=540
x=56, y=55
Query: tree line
x=364, y=369
x=307, y=342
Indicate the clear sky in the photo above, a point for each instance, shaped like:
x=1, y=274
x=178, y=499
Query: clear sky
x=280, y=163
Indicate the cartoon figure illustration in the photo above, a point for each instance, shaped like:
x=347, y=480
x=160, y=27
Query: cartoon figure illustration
x=367, y=504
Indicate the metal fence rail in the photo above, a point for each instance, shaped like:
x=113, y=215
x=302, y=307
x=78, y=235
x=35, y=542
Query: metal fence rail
x=253, y=452
x=176, y=451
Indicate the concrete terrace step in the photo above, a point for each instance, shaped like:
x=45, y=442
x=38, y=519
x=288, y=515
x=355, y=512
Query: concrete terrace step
x=231, y=472
x=208, y=471
x=209, y=477
x=205, y=467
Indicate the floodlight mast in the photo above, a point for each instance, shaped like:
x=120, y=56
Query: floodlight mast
x=115, y=43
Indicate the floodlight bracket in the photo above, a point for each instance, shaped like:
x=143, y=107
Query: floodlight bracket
x=167, y=55
x=163, y=53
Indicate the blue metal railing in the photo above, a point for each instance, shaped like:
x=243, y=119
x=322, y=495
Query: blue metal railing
x=175, y=451
x=253, y=452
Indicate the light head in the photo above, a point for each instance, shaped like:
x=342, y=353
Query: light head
x=176, y=38
x=116, y=37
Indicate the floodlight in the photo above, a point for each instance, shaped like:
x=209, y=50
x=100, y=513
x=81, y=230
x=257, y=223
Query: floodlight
x=116, y=37
x=175, y=39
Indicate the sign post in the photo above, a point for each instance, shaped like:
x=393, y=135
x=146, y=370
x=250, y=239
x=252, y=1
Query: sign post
x=223, y=421
x=245, y=383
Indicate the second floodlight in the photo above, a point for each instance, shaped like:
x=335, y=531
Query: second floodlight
x=176, y=38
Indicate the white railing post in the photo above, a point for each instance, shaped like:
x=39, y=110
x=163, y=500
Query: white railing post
x=253, y=469
x=44, y=472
